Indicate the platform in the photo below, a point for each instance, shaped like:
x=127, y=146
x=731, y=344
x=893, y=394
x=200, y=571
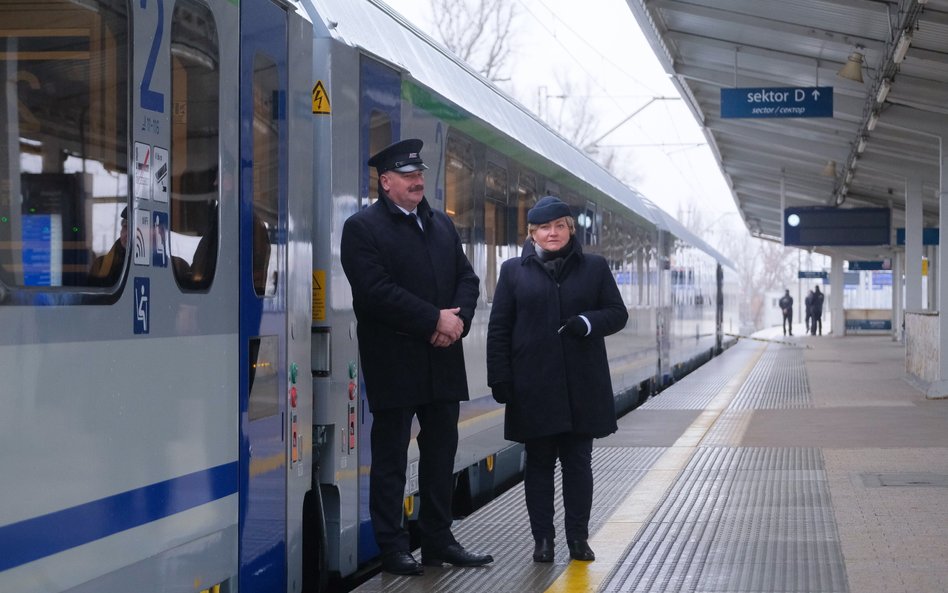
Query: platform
x=803, y=464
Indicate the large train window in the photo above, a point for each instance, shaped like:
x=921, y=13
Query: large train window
x=495, y=223
x=380, y=136
x=590, y=222
x=459, y=190
x=266, y=175
x=525, y=199
x=195, y=134
x=63, y=149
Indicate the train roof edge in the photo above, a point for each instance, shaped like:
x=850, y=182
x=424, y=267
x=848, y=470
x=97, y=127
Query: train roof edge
x=373, y=26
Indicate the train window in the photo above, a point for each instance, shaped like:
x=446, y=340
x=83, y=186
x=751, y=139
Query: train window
x=266, y=175
x=495, y=223
x=264, y=383
x=380, y=136
x=589, y=221
x=195, y=139
x=459, y=190
x=63, y=149
x=525, y=199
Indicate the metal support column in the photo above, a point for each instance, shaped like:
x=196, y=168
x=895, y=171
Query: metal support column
x=837, y=288
x=939, y=388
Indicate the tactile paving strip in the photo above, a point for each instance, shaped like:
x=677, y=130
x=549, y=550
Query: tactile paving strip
x=754, y=520
x=778, y=381
x=503, y=529
x=696, y=390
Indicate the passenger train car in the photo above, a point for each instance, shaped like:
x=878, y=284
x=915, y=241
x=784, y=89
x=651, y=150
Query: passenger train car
x=181, y=407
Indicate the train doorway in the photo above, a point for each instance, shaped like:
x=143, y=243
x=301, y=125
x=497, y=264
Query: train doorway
x=379, y=126
x=263, y=224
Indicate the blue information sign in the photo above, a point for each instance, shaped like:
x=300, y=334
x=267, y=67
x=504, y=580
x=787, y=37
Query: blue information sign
x=806, y=274
x=814, y=101
x=929, y=236
x=860, y=266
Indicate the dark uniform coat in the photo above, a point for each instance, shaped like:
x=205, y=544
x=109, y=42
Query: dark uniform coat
x=401, y=278
x=561, y=383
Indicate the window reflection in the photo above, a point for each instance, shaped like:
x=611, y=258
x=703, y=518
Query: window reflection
x=195, y=140
x=63, y=152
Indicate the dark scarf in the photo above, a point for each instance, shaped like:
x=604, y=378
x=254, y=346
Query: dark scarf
x=553, y=260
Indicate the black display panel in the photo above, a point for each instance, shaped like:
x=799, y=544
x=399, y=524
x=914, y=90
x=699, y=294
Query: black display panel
x=822, y=225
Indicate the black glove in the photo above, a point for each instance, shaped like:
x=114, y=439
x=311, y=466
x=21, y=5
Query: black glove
x=502, y=392
x=574, y=326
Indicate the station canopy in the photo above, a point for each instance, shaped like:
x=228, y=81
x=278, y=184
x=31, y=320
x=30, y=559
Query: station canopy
x=885, y=64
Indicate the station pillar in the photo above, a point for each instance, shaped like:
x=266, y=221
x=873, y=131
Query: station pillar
x=837, y=288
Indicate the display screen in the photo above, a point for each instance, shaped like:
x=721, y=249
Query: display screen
x=815, y=226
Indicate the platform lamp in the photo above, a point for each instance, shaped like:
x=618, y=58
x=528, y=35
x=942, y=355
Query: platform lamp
x=830, y=169
x=852, y=69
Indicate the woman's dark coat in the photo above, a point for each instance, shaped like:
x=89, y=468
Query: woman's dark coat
x=561, y=383
x=401, y=278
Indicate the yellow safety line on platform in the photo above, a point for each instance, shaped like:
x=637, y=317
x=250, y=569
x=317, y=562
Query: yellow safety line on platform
x=623, y=527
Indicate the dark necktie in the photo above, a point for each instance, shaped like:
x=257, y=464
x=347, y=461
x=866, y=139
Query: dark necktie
x=416, y=220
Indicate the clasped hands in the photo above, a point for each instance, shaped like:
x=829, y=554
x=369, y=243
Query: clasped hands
x=449, y=329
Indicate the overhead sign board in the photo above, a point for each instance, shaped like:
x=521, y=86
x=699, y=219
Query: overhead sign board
x=811, y=274
x=826, y=225
x=869, y=266
x=764, y=102
x=929, y=236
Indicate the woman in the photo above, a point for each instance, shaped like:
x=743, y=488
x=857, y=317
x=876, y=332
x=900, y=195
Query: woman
x=546, y=359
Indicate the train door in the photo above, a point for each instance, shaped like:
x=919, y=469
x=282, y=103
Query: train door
x=718, y=309
x=379, y=126
x=263, y=213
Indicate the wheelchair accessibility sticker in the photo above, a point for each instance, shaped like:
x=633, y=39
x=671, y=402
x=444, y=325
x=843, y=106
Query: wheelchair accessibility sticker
x=142, y=305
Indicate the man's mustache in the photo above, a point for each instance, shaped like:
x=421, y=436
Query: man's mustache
x=418, y=187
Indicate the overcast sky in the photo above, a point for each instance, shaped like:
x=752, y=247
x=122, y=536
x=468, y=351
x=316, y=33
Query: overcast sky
x=598, y=46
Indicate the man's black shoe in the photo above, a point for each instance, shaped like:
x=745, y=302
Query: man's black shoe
x=456, y=555
x=579, y=550
x=543, y=552
x=401, y=563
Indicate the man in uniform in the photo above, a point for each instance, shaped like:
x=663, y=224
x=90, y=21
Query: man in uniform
x=413, y=294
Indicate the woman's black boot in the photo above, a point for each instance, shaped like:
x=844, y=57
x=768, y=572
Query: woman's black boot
x=579, y=550
x=543, y=552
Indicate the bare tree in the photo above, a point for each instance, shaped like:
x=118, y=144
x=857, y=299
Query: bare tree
x=763, y=266
x=477, y=31
x=480, y=33
x=576, y=120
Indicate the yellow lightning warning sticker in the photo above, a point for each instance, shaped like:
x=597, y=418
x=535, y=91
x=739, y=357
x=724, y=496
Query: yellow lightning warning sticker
x=320, y=99
x=319, y=295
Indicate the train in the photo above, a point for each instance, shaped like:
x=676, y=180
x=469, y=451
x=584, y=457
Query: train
x=181, y=402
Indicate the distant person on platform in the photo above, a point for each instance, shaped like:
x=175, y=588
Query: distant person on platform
x=816, y=313
x=786, y=306
x=808, y=309
x=413, y=293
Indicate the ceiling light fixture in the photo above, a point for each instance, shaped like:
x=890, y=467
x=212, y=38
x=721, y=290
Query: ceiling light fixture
x=852, y=69
x=902, y=48
x=884, y=89
x=873, y=120
x=861, y=146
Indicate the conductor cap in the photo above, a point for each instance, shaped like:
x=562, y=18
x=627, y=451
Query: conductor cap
x=401, y=157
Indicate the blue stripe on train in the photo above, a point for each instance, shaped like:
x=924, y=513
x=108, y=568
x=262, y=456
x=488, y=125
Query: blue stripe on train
x=49, y=534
